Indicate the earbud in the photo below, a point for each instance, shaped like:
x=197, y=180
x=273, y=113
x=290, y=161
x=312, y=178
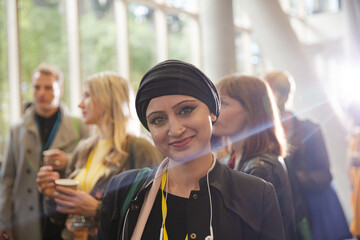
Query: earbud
x=211, y=236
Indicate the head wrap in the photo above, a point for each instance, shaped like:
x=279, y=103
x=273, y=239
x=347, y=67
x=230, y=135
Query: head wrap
x=174, y=77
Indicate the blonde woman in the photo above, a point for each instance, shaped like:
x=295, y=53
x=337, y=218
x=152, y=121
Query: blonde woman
x=112, y=149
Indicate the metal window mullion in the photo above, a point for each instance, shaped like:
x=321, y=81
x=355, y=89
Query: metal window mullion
x=162, y=42
x=73, y=35
x=195, y=42
x=13, y=48
x=122, y=38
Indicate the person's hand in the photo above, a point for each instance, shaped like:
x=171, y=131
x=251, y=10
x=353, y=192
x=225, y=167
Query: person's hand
x=72, y=201
x=45, y=179
x=6, y=235
x=55, y=158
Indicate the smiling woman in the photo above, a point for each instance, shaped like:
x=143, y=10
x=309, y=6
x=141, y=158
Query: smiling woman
x=180, y=126
x=178, y=104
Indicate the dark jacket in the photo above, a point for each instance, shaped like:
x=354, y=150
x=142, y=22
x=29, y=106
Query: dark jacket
x=272, y=168
x=308, y=155
x=308, y=163
x=244, y=207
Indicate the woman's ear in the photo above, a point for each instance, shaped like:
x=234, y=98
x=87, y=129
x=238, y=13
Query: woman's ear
x=213, y=117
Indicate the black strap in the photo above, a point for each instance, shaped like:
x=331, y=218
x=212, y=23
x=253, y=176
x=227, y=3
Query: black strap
x=131, y=153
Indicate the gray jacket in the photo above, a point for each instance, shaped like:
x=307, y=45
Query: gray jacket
x=19, y=197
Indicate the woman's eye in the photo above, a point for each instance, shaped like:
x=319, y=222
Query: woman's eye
x=186, y=110
x=157, y=121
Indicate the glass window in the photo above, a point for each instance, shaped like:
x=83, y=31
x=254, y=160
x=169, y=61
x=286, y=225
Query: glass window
x=179, y=37
x=241, y=53
x=42, y=27
x=187, y=5
x=248, y=54
x=97, y=37
x=142, y=40
x=4, y=86
x=320, y=6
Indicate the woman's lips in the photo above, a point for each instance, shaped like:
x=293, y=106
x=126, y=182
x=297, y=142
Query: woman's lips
x=182, y=142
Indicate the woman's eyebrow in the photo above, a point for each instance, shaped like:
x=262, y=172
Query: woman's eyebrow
x=176, y=105
x=185, y=101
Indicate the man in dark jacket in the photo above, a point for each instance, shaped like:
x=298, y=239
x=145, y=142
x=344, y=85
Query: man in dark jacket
x=307, y=160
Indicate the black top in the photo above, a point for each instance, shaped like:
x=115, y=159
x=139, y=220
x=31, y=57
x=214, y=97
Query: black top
x=50, y=230
x=46, y=125
x=244, y=207
x=175, y=221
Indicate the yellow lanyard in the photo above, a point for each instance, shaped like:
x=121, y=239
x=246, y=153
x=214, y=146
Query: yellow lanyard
x=87, y=184
x=164, y=206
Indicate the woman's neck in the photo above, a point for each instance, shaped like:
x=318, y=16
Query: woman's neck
x=103, y=133
x=184, y=177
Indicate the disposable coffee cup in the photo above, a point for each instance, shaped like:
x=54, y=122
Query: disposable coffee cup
x=67, y=182
x=49, y=191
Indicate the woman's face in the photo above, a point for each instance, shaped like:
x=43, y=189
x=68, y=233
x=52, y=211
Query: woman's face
x=91, y=107
x=233, y=117
x=180, y=126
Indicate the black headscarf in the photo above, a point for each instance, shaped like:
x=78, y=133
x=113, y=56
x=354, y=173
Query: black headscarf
x=174, y=77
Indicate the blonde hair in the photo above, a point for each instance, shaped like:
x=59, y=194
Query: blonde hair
x=117, y=122
x=256, y=97
x=48, y=69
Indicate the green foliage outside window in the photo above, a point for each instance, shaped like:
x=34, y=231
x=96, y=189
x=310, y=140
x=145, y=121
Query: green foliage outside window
x=43, y=39
x=97, y=39
x=142, y=41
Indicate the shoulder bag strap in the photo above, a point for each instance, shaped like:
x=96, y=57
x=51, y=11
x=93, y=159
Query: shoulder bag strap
x=134, y=189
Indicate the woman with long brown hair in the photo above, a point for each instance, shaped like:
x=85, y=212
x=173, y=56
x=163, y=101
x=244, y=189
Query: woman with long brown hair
x=250, y=120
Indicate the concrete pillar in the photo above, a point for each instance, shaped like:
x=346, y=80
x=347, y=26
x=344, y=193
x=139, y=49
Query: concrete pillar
x=218, y=38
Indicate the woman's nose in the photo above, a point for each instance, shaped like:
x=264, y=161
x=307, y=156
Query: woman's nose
x=81, y=104
x=176, y=127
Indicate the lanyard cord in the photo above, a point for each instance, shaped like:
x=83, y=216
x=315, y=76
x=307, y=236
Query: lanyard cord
x=164, y=181
x=53, y=130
